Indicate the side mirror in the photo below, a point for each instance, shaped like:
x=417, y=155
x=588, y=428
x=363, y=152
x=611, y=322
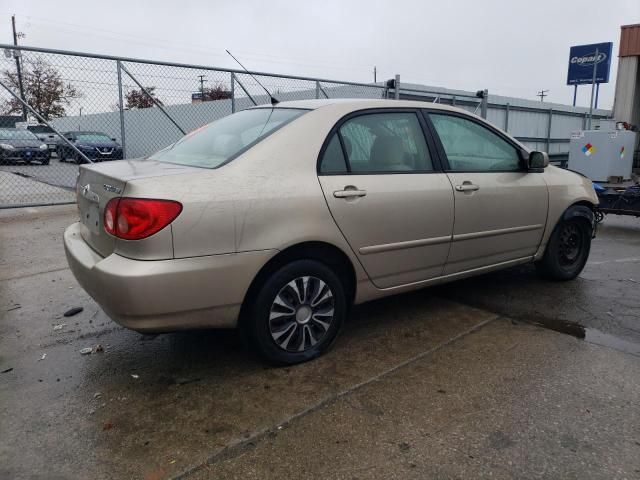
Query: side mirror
x=113, y=139
x=537, y=161
x=69, y=138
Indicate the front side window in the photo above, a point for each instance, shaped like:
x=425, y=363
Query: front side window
x=470, y=147
x=385, y=143
x=213, y=145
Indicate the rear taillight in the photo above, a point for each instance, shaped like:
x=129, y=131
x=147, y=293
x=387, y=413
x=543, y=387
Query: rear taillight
x=138, y=218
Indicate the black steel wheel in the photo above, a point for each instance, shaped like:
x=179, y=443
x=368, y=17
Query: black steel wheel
x=567, y=251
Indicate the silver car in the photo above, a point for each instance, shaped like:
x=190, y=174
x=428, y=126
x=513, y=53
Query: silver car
x=277, y=219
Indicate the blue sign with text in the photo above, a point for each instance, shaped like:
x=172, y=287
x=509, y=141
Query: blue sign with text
x=582, y=59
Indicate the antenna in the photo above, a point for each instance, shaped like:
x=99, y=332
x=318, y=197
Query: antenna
x=274, y=101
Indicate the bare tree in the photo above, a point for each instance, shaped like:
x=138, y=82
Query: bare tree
x=139, y=99
x=44, y=89
x=217, y=92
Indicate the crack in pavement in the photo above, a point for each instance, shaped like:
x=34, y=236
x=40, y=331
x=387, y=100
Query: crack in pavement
x=239, y=446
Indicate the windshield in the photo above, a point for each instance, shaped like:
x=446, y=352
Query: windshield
x=11, y=134
x=220, y=141
x=92, y=137
x=40, y=129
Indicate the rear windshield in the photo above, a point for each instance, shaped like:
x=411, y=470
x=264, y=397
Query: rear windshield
x=222, y=140
x=11, y=134
x=40, y=129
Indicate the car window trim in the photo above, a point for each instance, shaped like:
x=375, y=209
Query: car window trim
x=431, y=146
x=443, y=154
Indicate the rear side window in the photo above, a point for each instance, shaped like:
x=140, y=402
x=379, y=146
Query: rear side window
x=386, y=143
x=470, y=147
x=217, y=143
x=333, y=160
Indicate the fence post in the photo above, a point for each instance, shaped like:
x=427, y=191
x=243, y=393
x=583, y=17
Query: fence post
x=549, y=122
x=317, y=89
x=506, y=118
x=123, y=140
x=484, y=103
x=397, y=89
x=233, y=92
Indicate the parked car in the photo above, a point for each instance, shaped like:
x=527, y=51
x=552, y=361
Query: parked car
x=18, y=145
x=44, y=133
x=277, y=219
x=97, y=146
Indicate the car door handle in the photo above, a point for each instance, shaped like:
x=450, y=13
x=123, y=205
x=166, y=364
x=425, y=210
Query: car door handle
x=349, y=193
x=467, y=187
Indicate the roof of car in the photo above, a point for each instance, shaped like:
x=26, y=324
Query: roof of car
x=362, y=103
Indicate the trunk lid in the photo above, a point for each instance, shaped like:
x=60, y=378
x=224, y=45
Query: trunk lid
x=99, y=183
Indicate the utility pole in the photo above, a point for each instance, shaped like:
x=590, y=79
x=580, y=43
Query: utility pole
x=374, y=74
x=202, y=80
x=542, y=94
x=16, y=55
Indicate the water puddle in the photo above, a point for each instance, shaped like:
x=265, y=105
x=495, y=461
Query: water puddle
x=591, y=335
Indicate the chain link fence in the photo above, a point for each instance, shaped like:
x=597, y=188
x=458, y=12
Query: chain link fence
x=88, y=108
x=108, y=108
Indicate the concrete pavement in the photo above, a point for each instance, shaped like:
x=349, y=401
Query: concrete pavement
x=439, y=383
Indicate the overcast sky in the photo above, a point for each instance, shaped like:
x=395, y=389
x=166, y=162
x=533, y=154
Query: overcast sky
x=511, y=47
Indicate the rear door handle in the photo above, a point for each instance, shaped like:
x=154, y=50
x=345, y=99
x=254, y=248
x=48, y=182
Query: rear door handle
x=467, y=187
x=349, y=193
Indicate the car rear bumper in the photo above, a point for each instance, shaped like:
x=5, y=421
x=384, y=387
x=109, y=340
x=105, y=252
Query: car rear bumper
x=165, y=295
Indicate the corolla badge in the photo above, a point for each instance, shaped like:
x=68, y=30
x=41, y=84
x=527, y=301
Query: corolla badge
x=111, y=188
x=589, y=59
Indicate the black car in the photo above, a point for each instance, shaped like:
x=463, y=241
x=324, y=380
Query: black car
x=97, y=146
x=17, y=145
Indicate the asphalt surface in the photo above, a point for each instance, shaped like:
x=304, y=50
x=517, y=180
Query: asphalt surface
x=459, y=381
x=34, y=183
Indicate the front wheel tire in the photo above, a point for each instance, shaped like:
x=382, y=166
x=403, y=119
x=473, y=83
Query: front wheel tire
x=296, y=314
x=567, y=251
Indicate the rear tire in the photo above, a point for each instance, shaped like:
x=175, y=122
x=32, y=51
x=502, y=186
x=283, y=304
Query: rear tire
x=296, y=314
x=567, y=251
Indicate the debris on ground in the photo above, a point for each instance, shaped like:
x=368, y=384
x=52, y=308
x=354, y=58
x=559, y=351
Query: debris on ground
x=59, y=326
x=97, y=395
x=44, y=355
x=73, y=311
x=133, y=375
x=89, y=350
x=7, y=370
x=15, y=307
x=107, y=426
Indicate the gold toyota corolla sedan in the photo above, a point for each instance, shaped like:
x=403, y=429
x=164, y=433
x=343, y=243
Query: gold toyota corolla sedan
x=277, y=219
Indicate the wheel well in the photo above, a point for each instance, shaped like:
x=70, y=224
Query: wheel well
x=581, y=203
x=325, y=253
